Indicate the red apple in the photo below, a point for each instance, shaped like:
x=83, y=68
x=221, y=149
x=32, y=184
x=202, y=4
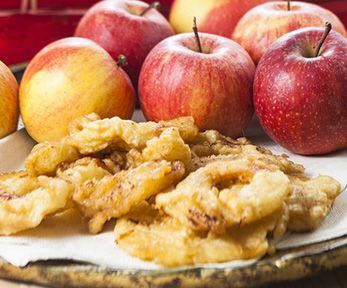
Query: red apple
x=265, y=23
x=70, y=78
x=120, y=28
x=215, y=17
x=214, y=86
x=300, y=98
x=9, y=111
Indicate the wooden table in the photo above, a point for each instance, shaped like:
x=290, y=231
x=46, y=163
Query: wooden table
x=336, y=278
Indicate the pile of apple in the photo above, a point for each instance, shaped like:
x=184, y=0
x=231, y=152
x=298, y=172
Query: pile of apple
x=295, y=78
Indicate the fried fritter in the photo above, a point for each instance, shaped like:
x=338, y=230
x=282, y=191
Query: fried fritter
x=211, y=142
x=166, y=241
x=45, y=158
x=82, y=170
x=261, y=156
x=26, y=200
x=145, y=213
x=211, y=145
x=79, y=123
x=168, y=146
x=115, y=162
x=310, y=201
x=224, y=194
x=113, y=196
x=186, y=126
x=125, y=134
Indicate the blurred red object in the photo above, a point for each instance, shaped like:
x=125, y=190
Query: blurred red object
x=339, y=7
x=15, y=4
x=165, y=5
x=27, y=26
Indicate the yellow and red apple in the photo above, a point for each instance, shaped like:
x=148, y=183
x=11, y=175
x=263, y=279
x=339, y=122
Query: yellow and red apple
x=214, y=85
x=70, y=78
x=262, y=25
x=9, y=111
x=214, y=16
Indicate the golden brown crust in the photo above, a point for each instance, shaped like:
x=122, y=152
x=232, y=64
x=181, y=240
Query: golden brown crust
x=25, y=201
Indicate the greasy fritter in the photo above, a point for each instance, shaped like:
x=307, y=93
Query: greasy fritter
x=96, y=138
x=261, y=156
x=186, y=126
x=211, y=142
x=79, y=123
x=45, y=157
x=224, y=194
x=89, y=168
x=145, y=213
x=168, y=146
x=166, y=241
x=26, y=200
x=125, y=134
x=114, y=162
x=310, y=201
x=211, y=145
x=82, y=170
x=113, y=196
x=198, y=162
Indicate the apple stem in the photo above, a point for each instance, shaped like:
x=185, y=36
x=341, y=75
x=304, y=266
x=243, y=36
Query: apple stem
x=155, y=5
x=328, y=28
x=122, y=61
x=288, y=5
x=197, y=38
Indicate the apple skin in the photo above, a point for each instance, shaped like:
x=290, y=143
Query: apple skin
x=9, y=111
x=70, y=78
x=215, y=17
x=117, y=27
x=262, y=25
x=300, y=101
x=215, y=87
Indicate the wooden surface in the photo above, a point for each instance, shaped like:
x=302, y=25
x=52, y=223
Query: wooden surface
x=9, y=284
x=336, y=278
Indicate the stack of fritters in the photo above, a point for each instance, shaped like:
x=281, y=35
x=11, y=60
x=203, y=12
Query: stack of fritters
x=180, y=196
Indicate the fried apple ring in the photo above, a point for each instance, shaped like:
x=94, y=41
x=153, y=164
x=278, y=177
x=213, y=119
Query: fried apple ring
x=166, y=241
x=113, y=196
x=210, y=145
x=310, y=201
x=125, y=134
x=168, y=146
x=45, y=157
x=26, y=200
x=224, y=194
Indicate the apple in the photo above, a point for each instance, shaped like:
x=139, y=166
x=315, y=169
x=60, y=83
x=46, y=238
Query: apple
x=213, y=84
x=127, y=27
x=300, y=91
x=265, y=23
x=9, y=111
x=70, y=78
x=215, y=17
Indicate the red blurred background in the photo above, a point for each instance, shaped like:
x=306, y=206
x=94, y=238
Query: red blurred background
x=28, y=25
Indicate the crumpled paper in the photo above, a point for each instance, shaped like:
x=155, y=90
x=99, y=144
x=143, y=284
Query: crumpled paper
x=65, y=236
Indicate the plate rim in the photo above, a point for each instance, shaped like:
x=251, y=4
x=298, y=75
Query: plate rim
x=286, y=265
